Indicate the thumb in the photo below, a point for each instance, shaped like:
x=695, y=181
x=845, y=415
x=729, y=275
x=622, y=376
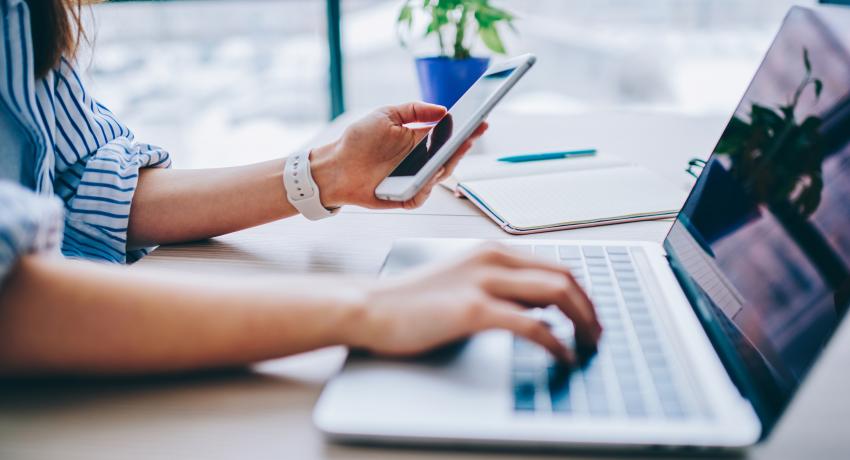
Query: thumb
x=416, y=112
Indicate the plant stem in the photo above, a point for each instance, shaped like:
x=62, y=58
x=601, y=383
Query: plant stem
x=460, y=52
x=442, y=44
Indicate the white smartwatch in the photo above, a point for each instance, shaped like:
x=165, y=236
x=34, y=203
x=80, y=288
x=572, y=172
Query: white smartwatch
x=301, y=190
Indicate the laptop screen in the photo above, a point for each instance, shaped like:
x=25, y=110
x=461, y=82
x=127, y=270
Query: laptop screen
x=764, y=238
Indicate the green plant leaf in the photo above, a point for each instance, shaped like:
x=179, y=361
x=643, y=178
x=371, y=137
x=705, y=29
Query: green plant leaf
x=488, y=15
x=450, y=17
x=490, y=36
x=405, y=20
x=405, y=15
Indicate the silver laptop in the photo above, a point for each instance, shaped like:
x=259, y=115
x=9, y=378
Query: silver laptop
x=707, y=336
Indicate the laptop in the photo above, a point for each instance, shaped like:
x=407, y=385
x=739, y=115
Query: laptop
x=707, y=336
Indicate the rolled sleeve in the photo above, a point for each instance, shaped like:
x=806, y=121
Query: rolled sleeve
x=98, y=162
x=29, y=223
x=99, y=210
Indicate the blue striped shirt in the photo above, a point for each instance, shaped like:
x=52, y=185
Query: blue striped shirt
x=56, y=139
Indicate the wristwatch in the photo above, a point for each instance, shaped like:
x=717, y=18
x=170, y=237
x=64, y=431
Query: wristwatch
x=301, y=190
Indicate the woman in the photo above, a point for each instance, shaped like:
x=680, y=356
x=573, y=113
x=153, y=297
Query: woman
x=74, y=179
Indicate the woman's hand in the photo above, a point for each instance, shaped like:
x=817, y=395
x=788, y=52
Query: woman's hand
x=348, y=170
x=488, y=289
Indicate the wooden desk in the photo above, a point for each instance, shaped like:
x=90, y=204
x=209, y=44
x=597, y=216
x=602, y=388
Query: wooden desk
x=265, y=413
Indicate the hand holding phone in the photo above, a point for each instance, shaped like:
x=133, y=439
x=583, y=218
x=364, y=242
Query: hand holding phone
x=432, y=153
x=349, y=169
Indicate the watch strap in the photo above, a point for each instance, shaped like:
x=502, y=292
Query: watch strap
x=301, y=190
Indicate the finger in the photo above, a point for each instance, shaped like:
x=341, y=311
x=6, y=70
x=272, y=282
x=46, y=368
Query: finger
x=414, y=112
x=423, y=195
x=464, y=148
x=480, y=130
x=527, y=285
x=418, y=200
x=450, y=165
x=573, y=300
x=510, y=316
x=540, y=288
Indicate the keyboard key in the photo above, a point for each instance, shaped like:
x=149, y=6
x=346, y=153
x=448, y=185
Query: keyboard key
x=547, y=253
x=569, y=252
x=655, y=361
x=641, y=320
x=574, y=266
x=597, y=263
x=638, y=310
x=661, y=376
x=619, y=258
x=635, y=409
x=653, y=347
x=620, y=353
x=672, y=409
x=599, y=270
x=623, y=265
x=617, y=250
x=628, y=378
x=666, y=389
x=626, y=280
x=634, y=302
x=525, y=389
x=593, y=252
x=524, y=249
x=597, y=404
x=629, y=286
x=608, y=320
x=603, y=283
x=524, y=394
x=649, y=341
x=624, y=274
x=561, y=402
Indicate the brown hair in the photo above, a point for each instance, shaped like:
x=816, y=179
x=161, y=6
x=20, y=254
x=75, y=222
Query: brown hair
x=56, y=31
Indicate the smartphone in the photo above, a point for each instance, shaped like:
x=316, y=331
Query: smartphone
x=420, y=165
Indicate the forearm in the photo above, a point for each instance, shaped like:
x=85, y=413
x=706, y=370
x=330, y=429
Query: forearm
x=183, y=205
x=173, y=205
x=71, y=317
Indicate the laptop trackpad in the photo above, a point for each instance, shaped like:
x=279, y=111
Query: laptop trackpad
x=396, y=394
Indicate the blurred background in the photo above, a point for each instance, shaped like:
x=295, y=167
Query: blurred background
x=222, y=82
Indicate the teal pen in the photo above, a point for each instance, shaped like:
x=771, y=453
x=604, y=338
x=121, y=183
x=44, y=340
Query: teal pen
x=547, y=156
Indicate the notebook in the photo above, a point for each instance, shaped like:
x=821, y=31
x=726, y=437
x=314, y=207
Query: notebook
x=561, y=194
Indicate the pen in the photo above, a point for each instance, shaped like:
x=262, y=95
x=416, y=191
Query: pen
x=547, y=156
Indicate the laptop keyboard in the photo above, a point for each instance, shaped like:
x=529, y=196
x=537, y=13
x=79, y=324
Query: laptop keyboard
x=630, y=375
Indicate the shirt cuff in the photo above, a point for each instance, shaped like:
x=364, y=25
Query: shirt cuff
x=99, y=212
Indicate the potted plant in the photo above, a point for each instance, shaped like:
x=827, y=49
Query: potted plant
x=454, y=24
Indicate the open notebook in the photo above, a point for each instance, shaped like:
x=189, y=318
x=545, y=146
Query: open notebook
x=560, y=194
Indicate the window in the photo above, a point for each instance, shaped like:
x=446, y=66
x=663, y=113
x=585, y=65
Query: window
x=690, y=56
x=215, y=82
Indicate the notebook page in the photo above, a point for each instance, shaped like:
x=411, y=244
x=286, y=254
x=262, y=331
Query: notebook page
x=475, y=168
x=577, y=196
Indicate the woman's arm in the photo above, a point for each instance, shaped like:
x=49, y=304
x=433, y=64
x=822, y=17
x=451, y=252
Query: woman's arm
x=65, y=316
x=62, y=316
x=182, y=205
x=174, y=205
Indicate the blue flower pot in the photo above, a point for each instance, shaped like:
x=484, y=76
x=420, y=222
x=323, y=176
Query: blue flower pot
x=443, y=80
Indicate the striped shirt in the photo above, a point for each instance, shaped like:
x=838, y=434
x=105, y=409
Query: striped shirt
x=56, y=139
